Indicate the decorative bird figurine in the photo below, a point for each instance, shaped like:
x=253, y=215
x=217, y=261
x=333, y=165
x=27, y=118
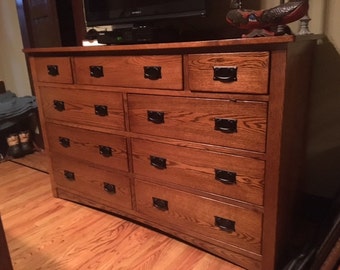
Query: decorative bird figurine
x=262, y=22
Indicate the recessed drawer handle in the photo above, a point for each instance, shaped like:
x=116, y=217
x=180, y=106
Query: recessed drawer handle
x=224, y=224
x=152, y=72
x=59, y=105
x=96, y=71
x=69, y=175
x=100, y=110
x=226, y=125
x=64, y=142
x=52, y=70
x=158, y=162
x=225, y=74
x=160, y=204
x=225, y=177
x=105, y=151
x=156, y=117
x=109, y=188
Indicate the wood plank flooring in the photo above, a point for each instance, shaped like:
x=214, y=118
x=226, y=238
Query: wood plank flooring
x=49, y=233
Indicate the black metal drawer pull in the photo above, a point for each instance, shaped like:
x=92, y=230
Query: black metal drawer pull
x=226, y=125
x=160, y=204
x=105, y=151
x=224, y=224
x=100, y=110
x=69, y=175
x=156, y=117
x=152, y=72
x=65, y=142
x=59, y=105
x=158, y=162
x=96, y=71
x=226, y=177
x=225, y=74
x=52, y=70
x=109, y=188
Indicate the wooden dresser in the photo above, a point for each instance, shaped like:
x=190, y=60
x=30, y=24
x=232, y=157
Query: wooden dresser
x=202, y=140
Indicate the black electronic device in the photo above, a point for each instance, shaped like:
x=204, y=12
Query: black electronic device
x=155, y=21
x=110, y=12
x=134, y=35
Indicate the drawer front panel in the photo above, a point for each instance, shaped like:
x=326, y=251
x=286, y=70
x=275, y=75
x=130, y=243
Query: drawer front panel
x=95, y=108
x=220, y=122
x=100, y=148
x=164, y=72
x=53, y=69
x=232, y=176
x=108, y=186
x=230, y=72
x=215, y=221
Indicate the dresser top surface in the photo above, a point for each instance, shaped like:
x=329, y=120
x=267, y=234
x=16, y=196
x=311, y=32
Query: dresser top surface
x=192, y=45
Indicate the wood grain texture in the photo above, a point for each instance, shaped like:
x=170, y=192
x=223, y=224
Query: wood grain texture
x=251, y=75
x=128, y=71
x=196, y=169
x=79, y=106
x=63, y=65
x=194, y=215
x=193, y=119
x=86, y=145
x=44, y=232
x=266, y=126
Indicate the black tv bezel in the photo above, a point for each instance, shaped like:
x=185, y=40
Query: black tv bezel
x=170, y=14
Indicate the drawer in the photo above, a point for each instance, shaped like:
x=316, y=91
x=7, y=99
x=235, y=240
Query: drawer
x=95, y=108
x=229, y=72
x=164, y=72
x=108, y=186
x=53, y=69
x=226, y=175
x=100, y=148
x=214, y=221
x=219, y=122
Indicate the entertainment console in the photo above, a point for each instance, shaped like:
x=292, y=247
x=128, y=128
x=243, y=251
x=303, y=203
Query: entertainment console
x=202, y=140
x=139, y=34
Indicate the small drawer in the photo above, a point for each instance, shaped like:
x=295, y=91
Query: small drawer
x=228, y=123
x=214, y=221
x=229, y=72
x=95, y=108
x=97, y=147
x=163, y=72
x=107, y=186
x=53, y=69
x=236, y=177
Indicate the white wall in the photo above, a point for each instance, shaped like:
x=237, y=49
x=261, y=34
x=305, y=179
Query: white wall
x=13, y=69
x=332, y=22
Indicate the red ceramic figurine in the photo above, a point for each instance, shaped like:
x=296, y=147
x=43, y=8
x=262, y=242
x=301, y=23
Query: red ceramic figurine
x=265, y=22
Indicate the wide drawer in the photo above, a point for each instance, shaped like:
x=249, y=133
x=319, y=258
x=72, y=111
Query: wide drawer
x=229, y=123
x=103, y=185
x=100, y=148
x=214, y=221
x=229, y=72
x=163, y=71
x=95, y=108
x=227, y=175
x=53, y=69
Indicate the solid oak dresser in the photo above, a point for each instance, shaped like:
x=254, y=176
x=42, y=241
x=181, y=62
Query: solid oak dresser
x=202, y=140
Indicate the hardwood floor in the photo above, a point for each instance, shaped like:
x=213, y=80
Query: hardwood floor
x=44, y=232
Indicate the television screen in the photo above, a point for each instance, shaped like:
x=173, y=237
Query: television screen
x=109, y=12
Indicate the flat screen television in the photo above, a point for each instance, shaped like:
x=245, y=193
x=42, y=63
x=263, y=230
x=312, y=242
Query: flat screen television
x=112, y=12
